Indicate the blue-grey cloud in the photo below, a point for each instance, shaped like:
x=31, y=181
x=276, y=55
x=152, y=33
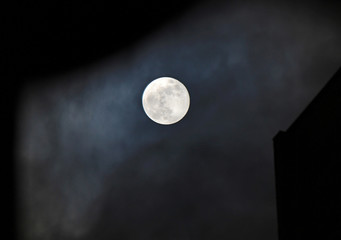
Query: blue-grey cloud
x=93, y=166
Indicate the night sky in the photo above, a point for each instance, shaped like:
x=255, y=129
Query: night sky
x=92, y=165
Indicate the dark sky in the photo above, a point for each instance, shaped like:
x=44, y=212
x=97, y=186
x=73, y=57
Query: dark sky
x=92, y=165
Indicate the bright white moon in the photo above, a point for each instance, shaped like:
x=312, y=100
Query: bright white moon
x=165, y=100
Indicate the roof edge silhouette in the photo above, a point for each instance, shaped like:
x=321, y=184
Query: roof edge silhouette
x=329, y=96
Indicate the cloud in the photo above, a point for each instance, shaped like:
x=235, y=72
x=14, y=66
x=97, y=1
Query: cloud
x=92, y=165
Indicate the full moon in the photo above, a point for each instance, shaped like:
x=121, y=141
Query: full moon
x=165, y=100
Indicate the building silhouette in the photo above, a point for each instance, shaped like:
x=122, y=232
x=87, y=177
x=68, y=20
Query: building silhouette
x=307, y=169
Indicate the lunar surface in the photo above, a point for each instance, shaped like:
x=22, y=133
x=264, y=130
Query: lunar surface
x=165, y=100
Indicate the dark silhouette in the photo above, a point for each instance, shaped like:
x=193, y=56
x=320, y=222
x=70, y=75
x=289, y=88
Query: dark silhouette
x=307, y=158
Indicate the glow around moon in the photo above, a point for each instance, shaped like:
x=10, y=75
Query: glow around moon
x=165, y=100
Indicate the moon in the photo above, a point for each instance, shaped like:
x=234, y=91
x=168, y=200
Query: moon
x=165, y=100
